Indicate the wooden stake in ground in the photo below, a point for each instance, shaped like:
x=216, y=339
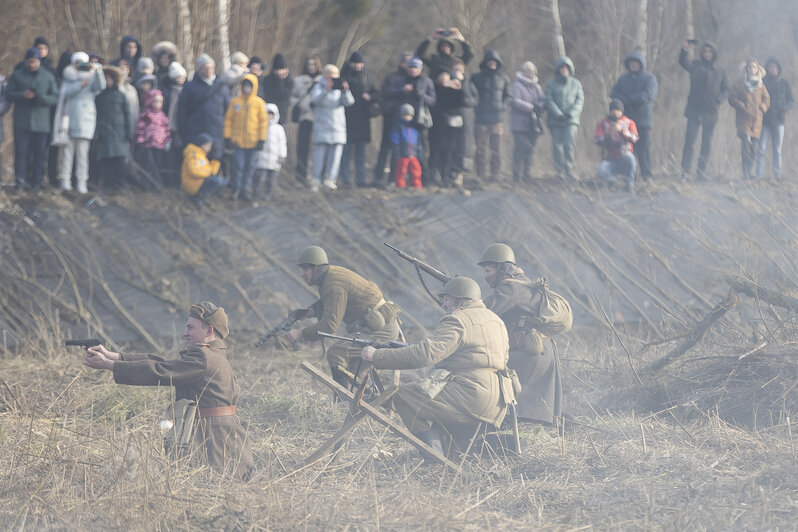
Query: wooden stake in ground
x=698, y=331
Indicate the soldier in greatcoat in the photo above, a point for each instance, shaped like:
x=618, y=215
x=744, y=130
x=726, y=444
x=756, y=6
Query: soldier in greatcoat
x=467, y=385
x=518, y=301
x=344, y=297
x=203, y=374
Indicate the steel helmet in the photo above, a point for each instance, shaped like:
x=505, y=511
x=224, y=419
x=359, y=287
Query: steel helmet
x=313, y=255
x=462, y=288
x=497, y=253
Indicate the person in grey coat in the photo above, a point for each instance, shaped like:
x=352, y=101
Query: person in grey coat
x=564, y=101
x=328, y=97
x=527, y=105
x=493, y=90
x=83, y=81
x=300, y=103
x=637, y=89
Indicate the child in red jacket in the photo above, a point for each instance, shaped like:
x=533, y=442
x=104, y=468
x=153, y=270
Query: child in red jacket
x=616, y=134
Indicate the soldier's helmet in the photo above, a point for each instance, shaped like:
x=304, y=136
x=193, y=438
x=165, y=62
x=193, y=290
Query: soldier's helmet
x=313, y=255
x=462, y=288
x=497, y=253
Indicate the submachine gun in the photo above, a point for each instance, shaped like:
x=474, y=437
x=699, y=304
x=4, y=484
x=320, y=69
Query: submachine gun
x=284, y=326
x=376, y=385
x=422, y=266
x=85, y=343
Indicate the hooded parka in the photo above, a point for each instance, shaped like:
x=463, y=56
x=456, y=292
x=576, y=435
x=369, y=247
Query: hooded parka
x=246, y=122
x=637, y=91
x=493, y=88
x=708, y=85
x=79, y=100
x=564, y=97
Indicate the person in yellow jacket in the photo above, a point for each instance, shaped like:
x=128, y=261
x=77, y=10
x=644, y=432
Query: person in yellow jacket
x=245, y=127
x=199, y=176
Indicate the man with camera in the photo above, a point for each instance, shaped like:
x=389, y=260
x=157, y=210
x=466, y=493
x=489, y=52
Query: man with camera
x=202, y=374
x=446, y=50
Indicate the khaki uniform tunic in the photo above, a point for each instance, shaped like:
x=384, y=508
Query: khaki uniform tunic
x=202, y=373
x=517, y=300
x=471, y=344
x=345, y=296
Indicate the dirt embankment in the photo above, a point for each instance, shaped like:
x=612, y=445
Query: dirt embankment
x=128, y=269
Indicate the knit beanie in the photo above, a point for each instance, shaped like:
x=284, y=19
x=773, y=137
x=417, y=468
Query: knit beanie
x=204, y=59
x=616, y=104
x=144, y=63
x=176, y=70
x=239, y=58
x=79, y=57
x=407, y=109
x=356, y=57
x=41, y=40
x=279, y=62
x=32, y=53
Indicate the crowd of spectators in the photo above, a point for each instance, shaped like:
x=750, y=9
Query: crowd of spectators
x=139, y=121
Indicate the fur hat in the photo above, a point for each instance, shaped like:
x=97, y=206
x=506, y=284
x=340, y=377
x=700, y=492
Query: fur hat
x=79, y=57
x=210, y=314
x=239, y=58
x=176, y=70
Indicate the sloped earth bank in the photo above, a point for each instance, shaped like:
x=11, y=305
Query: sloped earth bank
x=705, y=442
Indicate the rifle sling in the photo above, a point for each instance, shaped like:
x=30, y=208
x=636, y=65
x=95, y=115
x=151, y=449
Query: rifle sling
x=424, y=284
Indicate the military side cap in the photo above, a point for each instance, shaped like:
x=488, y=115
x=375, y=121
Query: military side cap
x=313, y=255
x=210, y=314
x=497, y=253
x=462, y=288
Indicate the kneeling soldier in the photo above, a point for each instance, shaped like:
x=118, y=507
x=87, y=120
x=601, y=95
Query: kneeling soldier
x=519, y=302
x=468, y=384
x=202, y=374
x=344, y=296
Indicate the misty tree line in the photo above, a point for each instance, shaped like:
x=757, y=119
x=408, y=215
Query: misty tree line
x=596, y=34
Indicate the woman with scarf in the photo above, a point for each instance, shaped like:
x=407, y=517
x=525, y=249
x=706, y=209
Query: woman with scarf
x=751, y=100
x=527, y=105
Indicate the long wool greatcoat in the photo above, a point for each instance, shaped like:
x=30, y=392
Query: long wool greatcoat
x=751, y=104
x=471, y=343
x=202, y=373
x=517, y=301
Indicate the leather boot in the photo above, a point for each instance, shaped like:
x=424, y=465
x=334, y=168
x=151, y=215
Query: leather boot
x=432, y=437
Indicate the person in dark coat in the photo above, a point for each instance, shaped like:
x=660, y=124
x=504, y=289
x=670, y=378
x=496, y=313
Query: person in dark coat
x=447, y=125
x=33, y=91
x=358, y=118
x=708, y=88
x=202, y=373
x=446, y=52
x=202, y=105
x=276, y=87
x=418, y=90
x=781, y=101
x=389, y=105
x=45, y=60
x=130, y=51
x=493, y=88
x=114, y=131
x=463, y=157
x=637, y=89
x=163, y=55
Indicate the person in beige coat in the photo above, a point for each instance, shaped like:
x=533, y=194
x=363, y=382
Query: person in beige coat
x=467, y=350
x=750, y=100
x=203, y=374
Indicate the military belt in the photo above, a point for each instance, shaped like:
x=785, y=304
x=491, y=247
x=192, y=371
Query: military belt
x=217, y=411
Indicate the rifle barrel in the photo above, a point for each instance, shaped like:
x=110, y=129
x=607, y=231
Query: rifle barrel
x=423, y=266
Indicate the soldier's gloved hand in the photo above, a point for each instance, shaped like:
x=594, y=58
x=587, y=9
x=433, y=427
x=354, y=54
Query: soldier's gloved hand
x=367, y=353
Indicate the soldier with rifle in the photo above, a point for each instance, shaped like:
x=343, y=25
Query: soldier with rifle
x=529, y=310
x=344, y=297
x=468, y=383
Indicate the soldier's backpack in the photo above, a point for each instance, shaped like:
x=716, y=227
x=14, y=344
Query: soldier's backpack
x=555, y=312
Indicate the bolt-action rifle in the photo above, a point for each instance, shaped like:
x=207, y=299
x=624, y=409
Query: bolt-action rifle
x=422, y=266
x=363, y=342
x=284, y=326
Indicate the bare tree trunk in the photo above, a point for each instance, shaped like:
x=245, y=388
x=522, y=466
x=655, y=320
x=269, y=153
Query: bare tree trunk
x=559, y=41
x=350, y=34
x=224, y=32
x=186, y=45
x=689, y=19
x=642, y=27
